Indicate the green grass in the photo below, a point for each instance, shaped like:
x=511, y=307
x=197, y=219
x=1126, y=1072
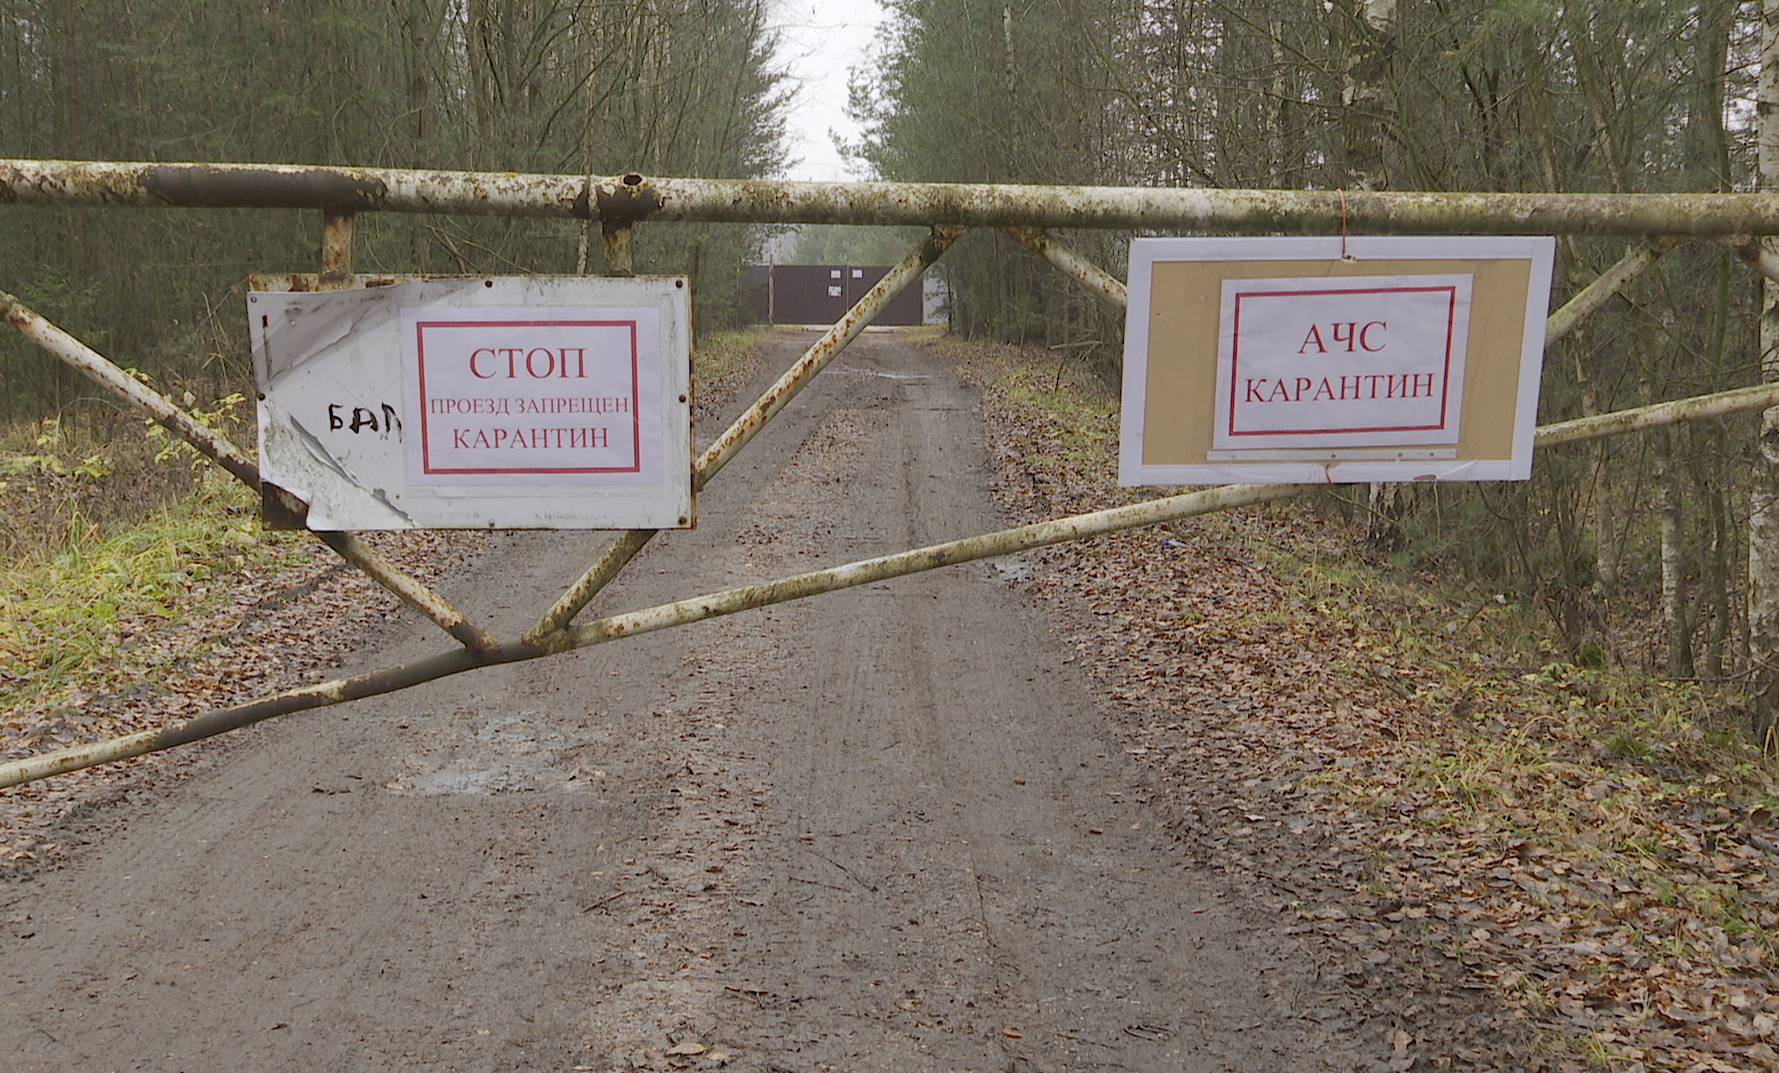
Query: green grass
x=64, y=617
x=718, y=353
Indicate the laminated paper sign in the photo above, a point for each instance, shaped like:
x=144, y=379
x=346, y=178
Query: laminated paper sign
x=1355, y=362
x=1292, y=360
x=531, y=402
x=518, y=396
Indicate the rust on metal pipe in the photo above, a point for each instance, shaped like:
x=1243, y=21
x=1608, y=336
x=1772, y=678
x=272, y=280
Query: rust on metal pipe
x=834, y=340
x=336, y=251
x=223, y=720
x=620, y=248
x=1073, y=265
x=647, y=620
x=623, y=200
x=546, y=631
x=404, y=586
x=623, y=548
x=342, y=190
x=219, y=449
x=1753, y=254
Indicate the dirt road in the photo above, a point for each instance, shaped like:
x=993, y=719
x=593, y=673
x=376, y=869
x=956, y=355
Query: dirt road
x=882, y=829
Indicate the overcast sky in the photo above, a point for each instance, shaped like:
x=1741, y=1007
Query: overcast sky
x=823, y=40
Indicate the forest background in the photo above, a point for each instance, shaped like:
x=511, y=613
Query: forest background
x=1499, y=95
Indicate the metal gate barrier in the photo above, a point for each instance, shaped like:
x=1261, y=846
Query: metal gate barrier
x=1027, y=213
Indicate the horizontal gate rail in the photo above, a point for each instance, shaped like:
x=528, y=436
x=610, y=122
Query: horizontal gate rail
x=632, y=198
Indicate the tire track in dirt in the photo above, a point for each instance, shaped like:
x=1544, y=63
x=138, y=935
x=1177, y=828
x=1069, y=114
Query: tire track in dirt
x=880, y=829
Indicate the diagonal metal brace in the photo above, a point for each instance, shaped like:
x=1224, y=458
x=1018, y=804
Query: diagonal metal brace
x=832, y=342
x=71, y=351
x=1753, y=253
x=213, y=445
x=546, y=633
x=1596, y=294
x=1074, y=265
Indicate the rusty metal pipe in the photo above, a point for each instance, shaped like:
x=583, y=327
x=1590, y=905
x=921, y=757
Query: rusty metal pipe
x=634, y=197
x=620, y=249
x=380, y=568
x=223, y=720
x=1591, y=297
x=1753, y=254
x=1072, y=264
x=832, y=342
x=648, y=620
x=76, y=354
x=1658, y=415
x=336, y=250
x=623, y=548
x=918, y=560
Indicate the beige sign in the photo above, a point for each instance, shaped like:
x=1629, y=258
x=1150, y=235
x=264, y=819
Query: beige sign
x=1281, y=360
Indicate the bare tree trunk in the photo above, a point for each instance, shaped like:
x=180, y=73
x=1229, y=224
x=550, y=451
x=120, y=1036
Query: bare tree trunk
x=1718, y=583
x=1278, y=113
x=1367, y=105
x=420, y=26
x=1601, y=517
x=1763, y=521
x=1367, y=101
x=1717, y=23
x=1674, y=617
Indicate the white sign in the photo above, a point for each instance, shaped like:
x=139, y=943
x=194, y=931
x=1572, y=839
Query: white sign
x=1360, y=361
x=531, y=402
x=514, y=396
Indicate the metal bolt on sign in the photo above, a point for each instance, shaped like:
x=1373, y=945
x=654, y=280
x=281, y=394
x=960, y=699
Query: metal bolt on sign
x=619, y=203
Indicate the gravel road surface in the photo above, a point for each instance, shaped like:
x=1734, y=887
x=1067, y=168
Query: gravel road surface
x=881, y=829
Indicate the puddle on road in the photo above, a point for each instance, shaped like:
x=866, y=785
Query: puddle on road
x=884, y=375
x=506, y=754
x=1013, y=569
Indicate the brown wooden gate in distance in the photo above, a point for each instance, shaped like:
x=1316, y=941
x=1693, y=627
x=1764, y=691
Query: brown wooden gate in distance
x=821, y=294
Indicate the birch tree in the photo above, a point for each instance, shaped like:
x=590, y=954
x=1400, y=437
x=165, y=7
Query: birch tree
x=1763, y=518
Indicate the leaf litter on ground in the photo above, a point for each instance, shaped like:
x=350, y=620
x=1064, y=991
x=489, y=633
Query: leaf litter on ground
x=150, y=630
x=1452, y=811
